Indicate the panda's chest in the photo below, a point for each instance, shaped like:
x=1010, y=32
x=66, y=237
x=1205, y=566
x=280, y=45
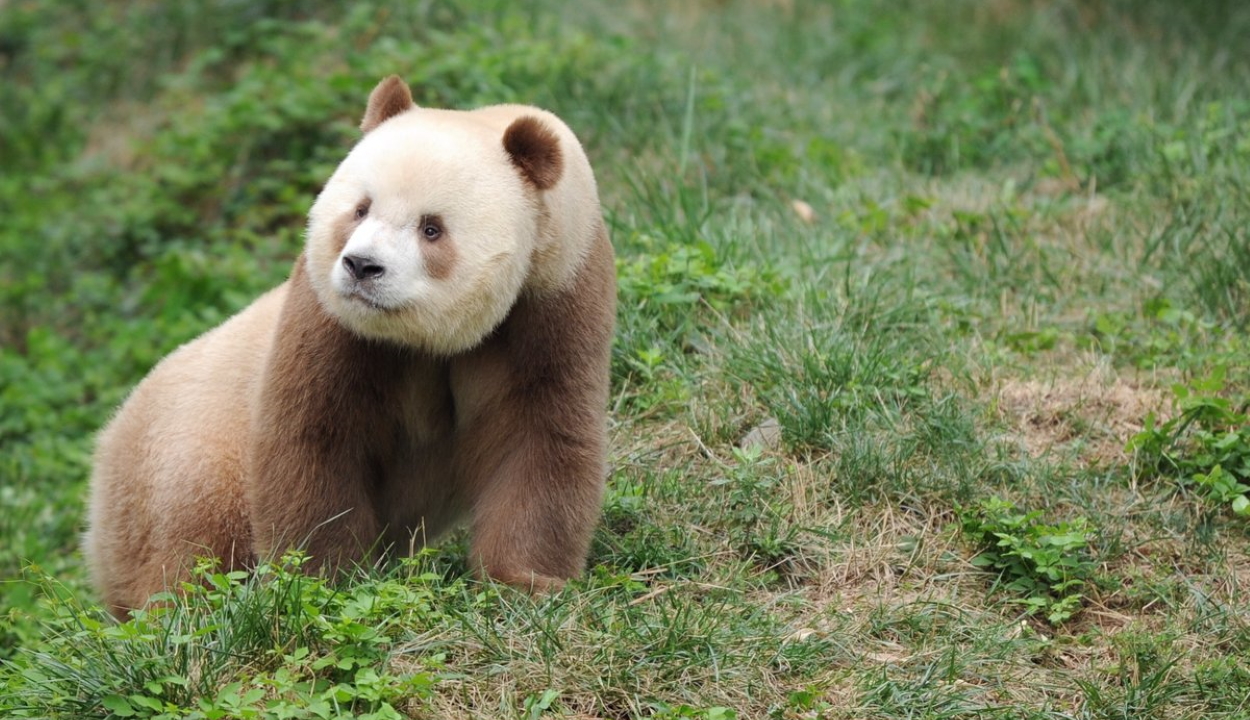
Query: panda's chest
x=411, y=434
x=416, y=480
x=423, y=403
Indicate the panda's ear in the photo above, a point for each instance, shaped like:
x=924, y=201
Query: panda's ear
x=388, y=99
x=535, y=150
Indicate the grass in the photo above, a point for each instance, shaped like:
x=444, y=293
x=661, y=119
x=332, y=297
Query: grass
x=983, y=265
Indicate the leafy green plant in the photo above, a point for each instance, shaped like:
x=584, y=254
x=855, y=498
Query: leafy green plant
x=975, y=121
x=756, y=512
x=1164, y=334
x=675, y=283
x=1048, y=564
x=669, y=294
x=536, y=706
x=309, y=650
x=1205, y=446
x=688, y=712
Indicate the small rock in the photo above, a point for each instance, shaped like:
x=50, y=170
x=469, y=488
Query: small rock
x=766, y=435
x=798, y=635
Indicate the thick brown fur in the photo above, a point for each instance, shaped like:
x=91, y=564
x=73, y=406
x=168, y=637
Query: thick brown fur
x=535, y=150
x=286, y=429
x=388, y=99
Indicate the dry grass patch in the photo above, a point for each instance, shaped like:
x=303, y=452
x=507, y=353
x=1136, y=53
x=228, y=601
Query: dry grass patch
x=1088, y=415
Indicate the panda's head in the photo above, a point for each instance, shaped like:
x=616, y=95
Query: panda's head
x=425, y=234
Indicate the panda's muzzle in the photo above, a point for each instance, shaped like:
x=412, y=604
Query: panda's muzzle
x=363, y=267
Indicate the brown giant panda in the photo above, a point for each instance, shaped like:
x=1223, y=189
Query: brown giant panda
x=439, y=354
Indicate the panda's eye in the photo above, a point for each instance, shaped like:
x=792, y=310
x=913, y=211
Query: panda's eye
x=362, y=209
x=431, y=228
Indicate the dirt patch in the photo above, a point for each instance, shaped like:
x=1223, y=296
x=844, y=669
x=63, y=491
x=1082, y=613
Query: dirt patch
x=1089, y=415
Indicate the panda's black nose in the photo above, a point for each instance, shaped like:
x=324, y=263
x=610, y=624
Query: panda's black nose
x=362, y=267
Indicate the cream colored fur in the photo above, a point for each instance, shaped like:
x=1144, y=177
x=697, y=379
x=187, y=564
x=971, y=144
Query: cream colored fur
x=342, y=414
x=450, y=162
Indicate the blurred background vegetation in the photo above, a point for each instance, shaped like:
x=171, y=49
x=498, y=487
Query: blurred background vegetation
x=157, y=160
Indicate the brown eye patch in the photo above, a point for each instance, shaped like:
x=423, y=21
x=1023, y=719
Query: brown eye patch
x=439, y=257
x=431, y=227
x=362, y=209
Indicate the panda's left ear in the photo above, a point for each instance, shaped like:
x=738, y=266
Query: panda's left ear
x=535, y=150
x=388, y=99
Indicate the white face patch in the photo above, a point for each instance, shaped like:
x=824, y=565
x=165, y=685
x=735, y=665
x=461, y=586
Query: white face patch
x=382, y=274
x=380, y=266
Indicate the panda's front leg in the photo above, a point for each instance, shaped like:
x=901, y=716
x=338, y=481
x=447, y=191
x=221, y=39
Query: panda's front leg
x=322, y=423
x=531, y=437
x=538, y=499
x=308, y=497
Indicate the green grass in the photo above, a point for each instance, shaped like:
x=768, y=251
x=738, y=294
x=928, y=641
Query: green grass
x=1007, y=355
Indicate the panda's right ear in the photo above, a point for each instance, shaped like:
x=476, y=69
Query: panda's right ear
x=390, y=98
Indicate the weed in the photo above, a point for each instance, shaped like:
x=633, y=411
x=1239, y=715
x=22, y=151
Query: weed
x=971, y=122
x=756, y=514
x=309, y=648
x=1048, y=565
x=1143, y=686
x=1205, y=447
x=670, y=294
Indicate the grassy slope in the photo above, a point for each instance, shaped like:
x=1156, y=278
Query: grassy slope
x=1029, y=223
